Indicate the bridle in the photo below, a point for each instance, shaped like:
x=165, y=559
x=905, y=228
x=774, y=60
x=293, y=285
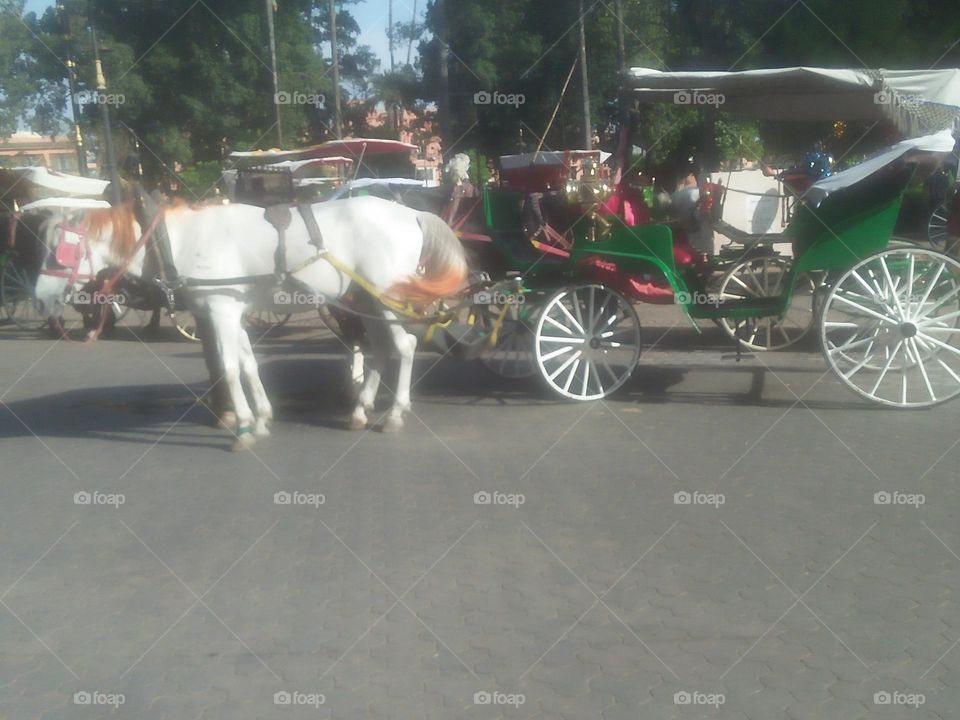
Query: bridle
x=71, y=267
x=69, y=262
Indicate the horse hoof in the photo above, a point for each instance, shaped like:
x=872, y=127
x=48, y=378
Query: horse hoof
x=227, y=421
x=261, y=431
x=392, y=425
x=244, y=441
x=355, y=423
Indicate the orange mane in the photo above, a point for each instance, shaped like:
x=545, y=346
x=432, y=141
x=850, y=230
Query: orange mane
x=123, y=238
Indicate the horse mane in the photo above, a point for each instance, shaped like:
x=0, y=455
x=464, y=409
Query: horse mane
x=121, y=219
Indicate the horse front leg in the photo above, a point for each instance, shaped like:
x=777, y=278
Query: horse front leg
x=251, y=373
x=225, y=315
x=405, y=345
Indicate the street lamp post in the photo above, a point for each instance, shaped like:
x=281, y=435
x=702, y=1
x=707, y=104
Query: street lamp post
x=275, y=76
x=72, y=81
x=335, y=62
x=116, y=196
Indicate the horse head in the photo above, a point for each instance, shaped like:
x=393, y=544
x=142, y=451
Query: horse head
x=78, y=245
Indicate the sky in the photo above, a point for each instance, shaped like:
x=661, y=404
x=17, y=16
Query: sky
x=371, y=15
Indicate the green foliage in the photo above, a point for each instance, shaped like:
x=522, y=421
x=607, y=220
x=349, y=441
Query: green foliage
x=200, y=179
x=195, y=78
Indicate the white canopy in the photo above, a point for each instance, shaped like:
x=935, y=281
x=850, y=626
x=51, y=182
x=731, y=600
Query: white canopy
x=41, y=182
x=941, y=142
x=918, y=102
x=60, y=203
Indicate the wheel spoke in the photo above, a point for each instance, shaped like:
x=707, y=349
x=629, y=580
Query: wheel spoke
x=939, y=343
x=573, y=340
x=560, y=325
x=557, y=353
x=567, y=363
x=933, y=283
x=923, y=369
x=570, y=317
x=573, y=372
x=868, y=311
x=886, y=368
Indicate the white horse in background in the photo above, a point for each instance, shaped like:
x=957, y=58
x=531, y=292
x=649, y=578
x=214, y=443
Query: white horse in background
x=402, y=254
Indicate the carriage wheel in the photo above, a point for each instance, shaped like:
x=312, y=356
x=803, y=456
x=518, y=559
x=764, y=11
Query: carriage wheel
x=937, y=227
x=17, y=298
x=890, y=328
x=587, y=342
x=765, y=277
x=513, y=356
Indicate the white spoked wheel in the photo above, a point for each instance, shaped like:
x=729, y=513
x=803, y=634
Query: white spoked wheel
x=937, y=227
x=587, y=342
x=512, y=357
x=890, y=328
x=766, y=277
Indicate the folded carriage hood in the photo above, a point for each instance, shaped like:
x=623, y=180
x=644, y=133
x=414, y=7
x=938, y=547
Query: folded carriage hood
x=918, y=102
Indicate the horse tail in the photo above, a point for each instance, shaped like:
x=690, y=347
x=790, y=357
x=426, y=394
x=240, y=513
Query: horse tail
x=443, y=262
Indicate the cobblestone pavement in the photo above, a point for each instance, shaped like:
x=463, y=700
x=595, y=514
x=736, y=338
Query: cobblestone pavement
x=706, y=544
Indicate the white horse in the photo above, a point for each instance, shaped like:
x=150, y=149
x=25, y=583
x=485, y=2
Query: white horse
x=409, y=256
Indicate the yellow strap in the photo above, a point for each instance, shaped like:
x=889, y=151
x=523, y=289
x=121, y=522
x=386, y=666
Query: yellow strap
x=406, y=310
x=498, y=324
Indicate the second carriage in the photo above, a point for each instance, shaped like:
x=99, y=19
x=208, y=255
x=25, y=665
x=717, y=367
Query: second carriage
x=561, y=304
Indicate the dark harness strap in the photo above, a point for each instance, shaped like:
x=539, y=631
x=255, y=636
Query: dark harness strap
x=159, y=260
x=313, y=230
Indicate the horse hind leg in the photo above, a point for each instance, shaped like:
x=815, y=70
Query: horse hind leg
x=220, y=405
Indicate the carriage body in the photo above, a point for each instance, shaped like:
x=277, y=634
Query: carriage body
x=888, y=316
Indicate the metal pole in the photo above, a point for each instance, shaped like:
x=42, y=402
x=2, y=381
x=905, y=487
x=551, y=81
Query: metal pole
x=443, y=106
x=621, y=41
x=335, y=61
x=275, y=76
x=116, y=195
x=74, y=103
x=587, y=125
x=393, y=64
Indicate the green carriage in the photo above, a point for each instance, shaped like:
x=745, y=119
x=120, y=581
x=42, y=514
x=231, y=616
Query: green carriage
x=887, y=315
